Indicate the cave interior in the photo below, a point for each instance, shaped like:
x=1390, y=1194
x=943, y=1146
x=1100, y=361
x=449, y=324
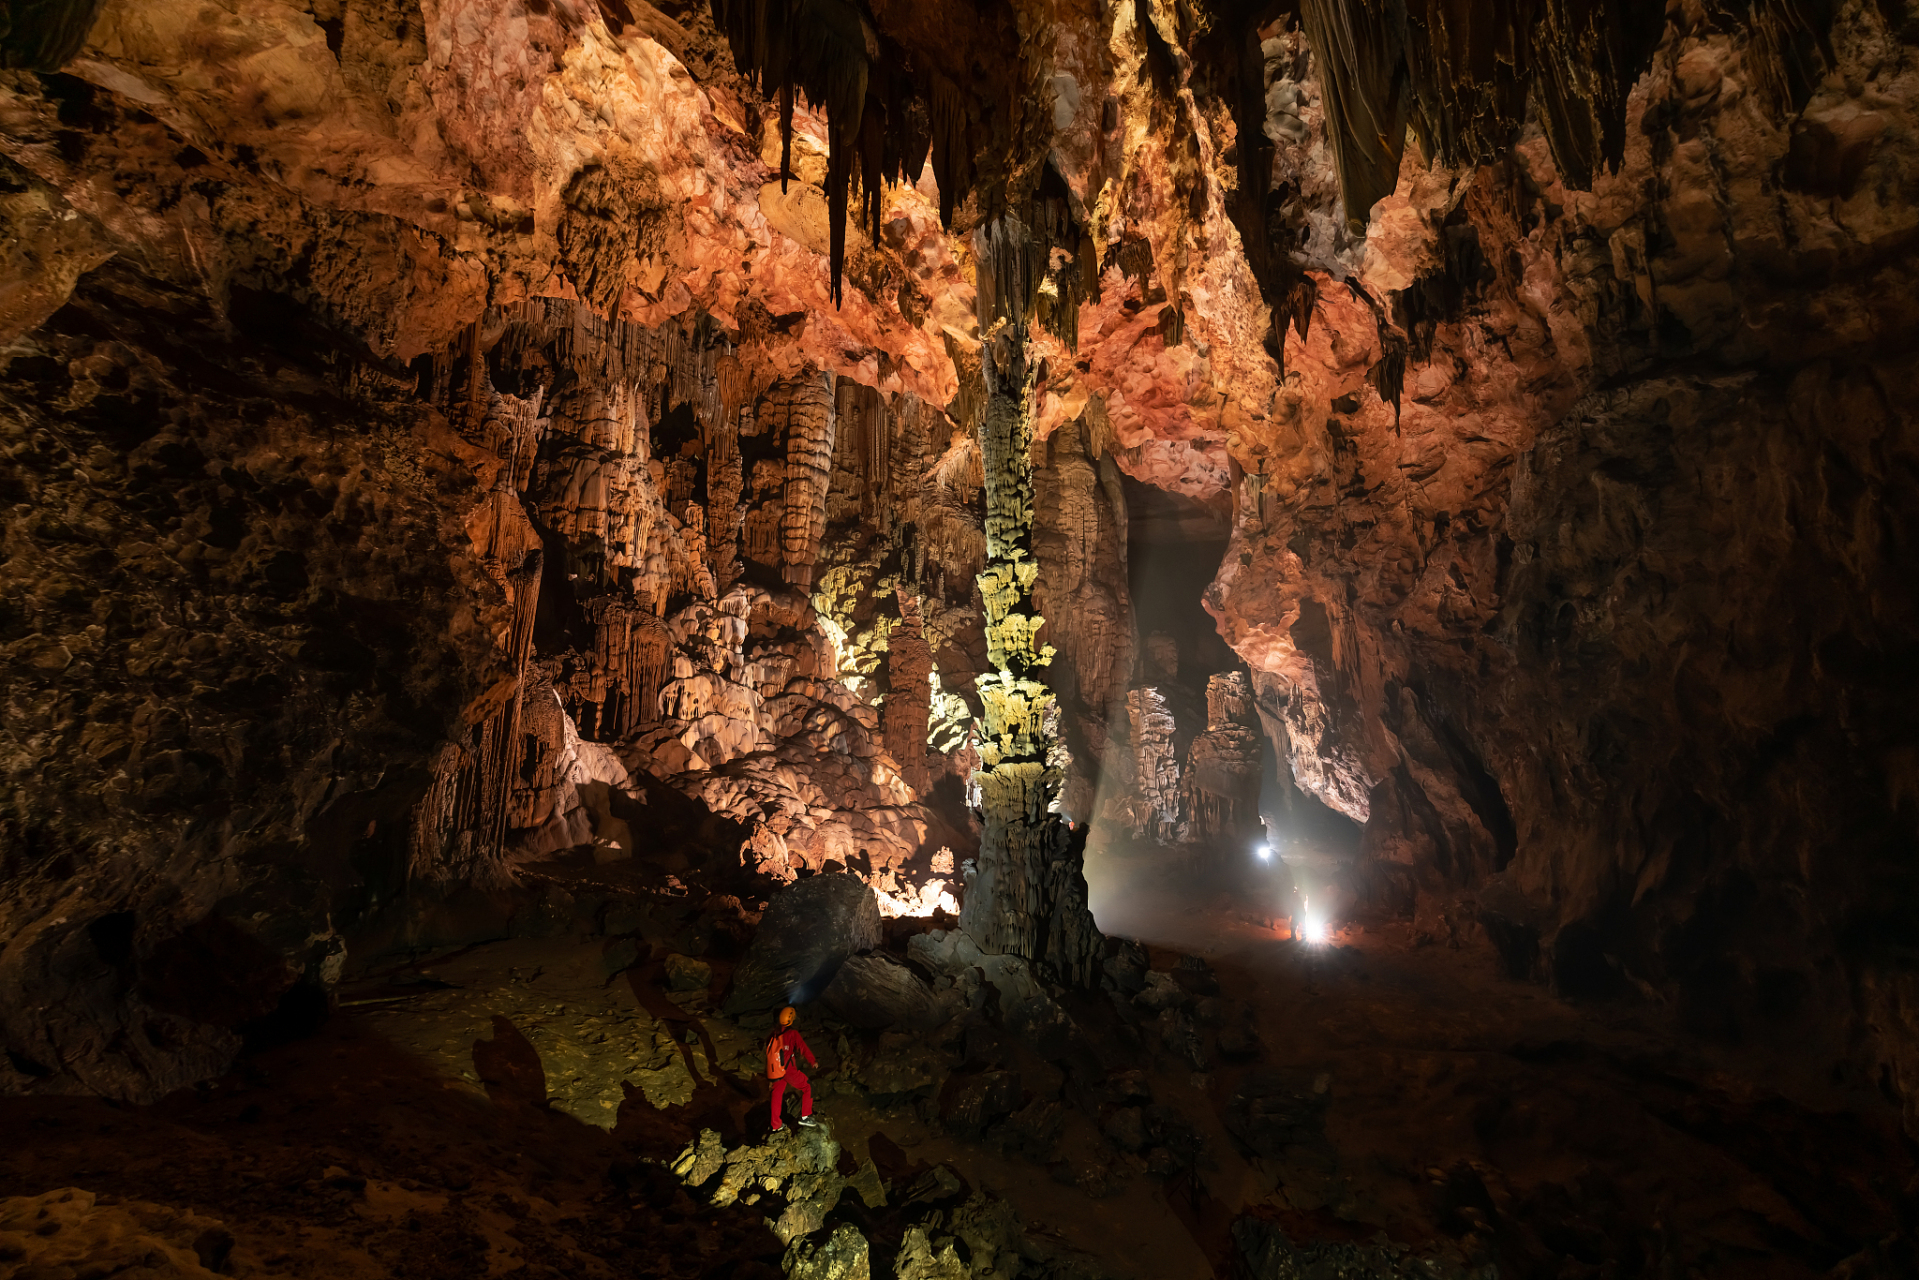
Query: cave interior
x=1289, y=626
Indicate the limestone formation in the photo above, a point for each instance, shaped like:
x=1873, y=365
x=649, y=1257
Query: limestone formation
x=1223, y=764
x=1028, y=895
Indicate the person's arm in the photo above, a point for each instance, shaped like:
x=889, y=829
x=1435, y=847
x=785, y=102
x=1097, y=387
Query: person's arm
x=811, y=1061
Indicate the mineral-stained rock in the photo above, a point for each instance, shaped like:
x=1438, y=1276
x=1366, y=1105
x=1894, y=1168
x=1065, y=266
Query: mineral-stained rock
x=841, y=1256
x=869, y=1186
x=705, y=1157
x=809, y=929
x=797, y=1163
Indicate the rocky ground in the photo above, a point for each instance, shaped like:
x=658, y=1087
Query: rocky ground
x=571, y=1101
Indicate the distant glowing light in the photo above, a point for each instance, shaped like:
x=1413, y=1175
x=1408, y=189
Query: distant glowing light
x=1313, y=927
x=1265, y=852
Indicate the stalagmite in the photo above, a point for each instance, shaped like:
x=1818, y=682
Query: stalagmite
x=909, y=664
x=1155, y=810
x=1028, y=895
x=1222, y=772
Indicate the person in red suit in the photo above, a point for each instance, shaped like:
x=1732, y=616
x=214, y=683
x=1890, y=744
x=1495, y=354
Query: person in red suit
x=783, y=1053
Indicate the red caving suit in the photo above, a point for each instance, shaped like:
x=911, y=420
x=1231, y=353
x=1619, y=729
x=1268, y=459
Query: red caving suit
x=792, y=1045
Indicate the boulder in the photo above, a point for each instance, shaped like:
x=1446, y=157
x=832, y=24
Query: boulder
x=1032, y=1132
x=937, y=1185
x=920, y=1259
x=1160, y=991
x=872, y=992
x=902, y=1064
x=1126, y=968
x=1025, y=1008
x=1181, y=1038
x=799, y=1165
x=808, y=931
x=841, y=1256
x=970, y=1103
x=1126, y=1128
x=869, y=1185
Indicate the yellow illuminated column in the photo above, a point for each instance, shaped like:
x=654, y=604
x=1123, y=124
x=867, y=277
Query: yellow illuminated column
x=1028, y=894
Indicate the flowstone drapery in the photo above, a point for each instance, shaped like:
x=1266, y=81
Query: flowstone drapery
x=1028, y=895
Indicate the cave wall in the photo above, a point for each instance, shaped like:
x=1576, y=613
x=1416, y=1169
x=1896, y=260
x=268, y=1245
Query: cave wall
x=1601, y=627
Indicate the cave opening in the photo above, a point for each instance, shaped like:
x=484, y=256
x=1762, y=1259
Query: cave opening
x=1199, y=824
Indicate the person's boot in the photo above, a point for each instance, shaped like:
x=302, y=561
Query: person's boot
x=808, y=1122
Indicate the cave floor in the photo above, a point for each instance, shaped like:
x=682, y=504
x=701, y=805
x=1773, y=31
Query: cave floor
x=1567, y=1139
x=506, y=1109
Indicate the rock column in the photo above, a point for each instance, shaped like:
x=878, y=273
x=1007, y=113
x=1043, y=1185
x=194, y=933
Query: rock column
x=1028, y=895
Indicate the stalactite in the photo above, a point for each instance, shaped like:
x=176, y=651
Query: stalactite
x=878, y=124
x=632, y=655
x=806, y=406
x=1015, y=270
x=1462, y=77
x=724, y=483
x=905, y=714
x=735, y=388
x=862, y=416
x=906, y=461
x=460, y=827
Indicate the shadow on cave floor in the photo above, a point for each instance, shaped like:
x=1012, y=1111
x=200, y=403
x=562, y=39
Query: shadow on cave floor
x=347, y=1155
x=1580, y=1140
x=508, y=1108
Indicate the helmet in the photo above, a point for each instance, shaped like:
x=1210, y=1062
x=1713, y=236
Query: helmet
x=788, y=1016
